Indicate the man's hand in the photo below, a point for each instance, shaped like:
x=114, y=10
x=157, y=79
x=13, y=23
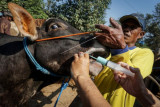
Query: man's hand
x=80, y=66
x=90, y=95
x=111, y=37
x=133, y=85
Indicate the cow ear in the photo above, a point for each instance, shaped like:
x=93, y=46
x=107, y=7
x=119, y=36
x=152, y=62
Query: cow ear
x=24, y=21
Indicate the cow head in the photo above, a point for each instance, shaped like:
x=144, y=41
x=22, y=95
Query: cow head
x=55, y=55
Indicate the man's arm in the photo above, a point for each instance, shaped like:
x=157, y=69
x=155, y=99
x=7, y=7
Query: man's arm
x=113, y=37
x=144, y=96
x=90, y=95
x=148, y=99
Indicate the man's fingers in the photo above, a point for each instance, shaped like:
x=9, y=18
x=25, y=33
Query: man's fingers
x=120, y=78
x=86, y=55
x=124, y=65
x=81, y=54
x=134, y=70
x=118, y=72
x=103, y=27
x=75, y=57
x=99, y=34
x=123, y=79
x=123, y=76
x=116, y=77
x=102, y=37
x=115, y=24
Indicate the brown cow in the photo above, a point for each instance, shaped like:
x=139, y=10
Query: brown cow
x=39, y=22
x=19, y=78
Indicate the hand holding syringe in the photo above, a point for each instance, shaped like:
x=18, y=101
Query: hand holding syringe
x=113, y=65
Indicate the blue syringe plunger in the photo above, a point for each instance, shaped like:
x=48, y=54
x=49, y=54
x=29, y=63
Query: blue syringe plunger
x=101, y=60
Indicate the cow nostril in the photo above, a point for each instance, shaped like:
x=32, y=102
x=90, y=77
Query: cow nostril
x=82, y=40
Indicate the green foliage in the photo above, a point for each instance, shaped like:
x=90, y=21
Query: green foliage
x=82, y=14
x=34, y=7
x=3, y=5
x=153, y=28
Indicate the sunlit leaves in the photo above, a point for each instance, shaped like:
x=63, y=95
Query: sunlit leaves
x=34, y=7
x=153, y=28
x=82, y=14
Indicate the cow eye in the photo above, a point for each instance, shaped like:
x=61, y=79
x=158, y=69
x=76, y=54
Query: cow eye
x=54, y=26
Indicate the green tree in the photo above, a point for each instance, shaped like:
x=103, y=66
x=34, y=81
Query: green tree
x=82, y=14
x=3, y=5
x=153, y=28
x=34, y=7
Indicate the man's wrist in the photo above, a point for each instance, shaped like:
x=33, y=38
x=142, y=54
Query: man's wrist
x=81, y=78
x=148, y=99
x=142, y=94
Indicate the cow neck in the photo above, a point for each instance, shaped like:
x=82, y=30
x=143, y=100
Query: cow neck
x=31, y=46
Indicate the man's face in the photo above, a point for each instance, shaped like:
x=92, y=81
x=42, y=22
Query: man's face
x=132, y=31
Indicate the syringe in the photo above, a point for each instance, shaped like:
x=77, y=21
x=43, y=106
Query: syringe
x=112, y=65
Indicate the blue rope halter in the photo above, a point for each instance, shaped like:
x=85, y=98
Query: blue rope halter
x=38, y=67
x=43, y=70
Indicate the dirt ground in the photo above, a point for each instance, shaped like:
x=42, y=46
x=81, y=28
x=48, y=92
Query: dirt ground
x=48, y=96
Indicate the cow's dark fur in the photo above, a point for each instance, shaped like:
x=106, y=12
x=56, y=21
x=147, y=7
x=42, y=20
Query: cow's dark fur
x=19, y=80
x=156, y=75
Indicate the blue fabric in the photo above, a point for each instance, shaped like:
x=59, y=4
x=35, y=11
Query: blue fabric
x=131, y=48
x=119, y=51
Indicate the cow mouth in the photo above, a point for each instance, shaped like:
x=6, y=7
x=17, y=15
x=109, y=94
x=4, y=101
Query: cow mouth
x=95, y=67
x=63, y=68
x=95, y=50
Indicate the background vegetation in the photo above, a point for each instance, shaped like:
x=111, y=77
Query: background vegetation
x=82, y=14
x=153, y=29
x=34, y=7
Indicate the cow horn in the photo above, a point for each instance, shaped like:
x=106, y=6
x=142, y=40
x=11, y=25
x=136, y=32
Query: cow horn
x=24, y=21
